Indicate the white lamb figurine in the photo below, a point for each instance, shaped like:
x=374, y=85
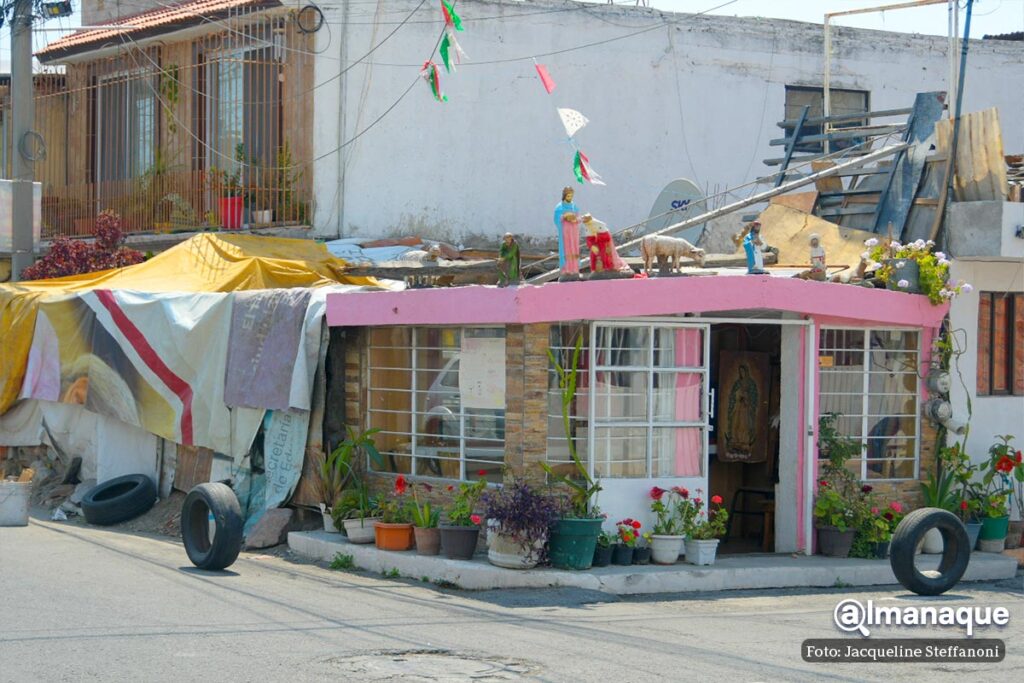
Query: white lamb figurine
x=654, y=246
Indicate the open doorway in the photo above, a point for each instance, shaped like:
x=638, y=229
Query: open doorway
x=746, y=376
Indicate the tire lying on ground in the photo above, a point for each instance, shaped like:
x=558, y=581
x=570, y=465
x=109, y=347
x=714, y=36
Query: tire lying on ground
x=222, y=549
x=956, y=551
x=119, y=499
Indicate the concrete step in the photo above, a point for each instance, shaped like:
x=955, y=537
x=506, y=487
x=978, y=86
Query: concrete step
x=730, y=572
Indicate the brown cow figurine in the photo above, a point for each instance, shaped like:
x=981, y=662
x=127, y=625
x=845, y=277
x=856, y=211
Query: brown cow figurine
x=654, y=247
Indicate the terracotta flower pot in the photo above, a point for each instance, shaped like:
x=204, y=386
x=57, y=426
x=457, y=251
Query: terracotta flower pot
x=428, y=540
x=393, y=536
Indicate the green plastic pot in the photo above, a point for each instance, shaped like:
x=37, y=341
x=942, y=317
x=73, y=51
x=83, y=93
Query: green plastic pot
x=994, y=528
x=572, y=543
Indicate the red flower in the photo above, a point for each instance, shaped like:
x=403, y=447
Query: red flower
x=400, y=484
x=888, y=516
x=635, y=524
x=896, y=507
x=716, y=499
x=1005, y=465
x=963, y=505
x=450, y=487
x=475, y=519
x=823, y=483
x=866, y=488
x=482, y=473
x=683, y=493
x=698, y=501
x=874, y=511
x=657, y=492
x=1018, y=457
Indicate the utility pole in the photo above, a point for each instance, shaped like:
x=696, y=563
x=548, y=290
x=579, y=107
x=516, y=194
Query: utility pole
x=23, y=143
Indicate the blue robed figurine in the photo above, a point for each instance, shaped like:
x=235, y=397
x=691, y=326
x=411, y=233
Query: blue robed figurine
x=754, y=248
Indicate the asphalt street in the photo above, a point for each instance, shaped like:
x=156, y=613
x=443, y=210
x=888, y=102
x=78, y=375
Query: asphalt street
x=82, y=604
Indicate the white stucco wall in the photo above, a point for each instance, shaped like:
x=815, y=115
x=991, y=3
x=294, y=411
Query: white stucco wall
x=698, y=98
x=992, y=415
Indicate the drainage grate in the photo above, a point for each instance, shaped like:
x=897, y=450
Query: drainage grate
x=413, y=666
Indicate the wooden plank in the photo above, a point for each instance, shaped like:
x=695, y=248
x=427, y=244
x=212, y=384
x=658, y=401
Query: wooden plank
x=842, y=118
x=792, y=145
x=843, y=134
x=980, y=162
x=849, y=210
x=193, y=467
x=894, y=205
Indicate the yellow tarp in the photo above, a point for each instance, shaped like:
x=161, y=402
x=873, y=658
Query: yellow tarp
x=204, y=263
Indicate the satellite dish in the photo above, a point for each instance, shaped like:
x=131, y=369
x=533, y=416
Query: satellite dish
x=681, y=199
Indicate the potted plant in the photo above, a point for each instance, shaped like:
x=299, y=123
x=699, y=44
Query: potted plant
x=574, y=537
x=356, y=513
x=1016, y=528
x=705, y=530
x=337, y=472
x=937, y=492
x=519, y=518
x=394, y=529
x=628, y=532
x=228, y=186
x=459, y=535
x=995, y=521
x=668, y=532
x=964, y=501
x=913, y=268
x=877, y=529
x=424, y=519
x=839, y=504
x=642, y=551
x=605, y=547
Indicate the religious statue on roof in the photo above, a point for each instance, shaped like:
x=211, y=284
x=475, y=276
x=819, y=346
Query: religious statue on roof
x=568, y=227
x=817, y=254
x=508, y=261
x=604, y=258
x=754, y=248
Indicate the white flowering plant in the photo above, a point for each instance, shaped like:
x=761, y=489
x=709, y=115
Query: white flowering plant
x=933, y=267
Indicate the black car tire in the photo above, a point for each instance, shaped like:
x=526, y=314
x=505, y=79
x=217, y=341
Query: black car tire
x=220, y=501
x=956, y=551
x=119, y=499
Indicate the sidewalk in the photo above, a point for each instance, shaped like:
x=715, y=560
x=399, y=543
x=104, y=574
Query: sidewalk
x=735, y=572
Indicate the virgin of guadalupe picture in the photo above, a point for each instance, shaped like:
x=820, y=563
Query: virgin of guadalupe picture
x=743, y=406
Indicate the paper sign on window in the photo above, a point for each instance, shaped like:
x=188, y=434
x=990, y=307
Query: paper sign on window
x=482, y=373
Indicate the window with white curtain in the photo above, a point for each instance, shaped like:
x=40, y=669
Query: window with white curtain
x=648, y=400
x=869, y=377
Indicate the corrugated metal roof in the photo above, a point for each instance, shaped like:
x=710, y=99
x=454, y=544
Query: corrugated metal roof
x=149, y=23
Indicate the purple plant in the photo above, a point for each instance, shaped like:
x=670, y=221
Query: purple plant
x=521, y=512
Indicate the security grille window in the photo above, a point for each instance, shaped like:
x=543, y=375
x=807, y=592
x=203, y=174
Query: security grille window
x=647, y=403
x=431, y=424
x=843, y=102
x=1000, y=344
x=869, y=378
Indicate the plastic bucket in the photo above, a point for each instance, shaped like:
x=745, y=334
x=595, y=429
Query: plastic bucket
x=14, y=499
x=572, y=543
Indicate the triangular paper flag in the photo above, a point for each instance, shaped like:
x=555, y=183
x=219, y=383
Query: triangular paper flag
x=545, y=77
x=572, y=120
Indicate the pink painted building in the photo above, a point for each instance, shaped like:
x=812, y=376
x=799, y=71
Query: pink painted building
x=714, y=383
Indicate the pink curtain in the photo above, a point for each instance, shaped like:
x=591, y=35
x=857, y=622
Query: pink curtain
x=689, y=352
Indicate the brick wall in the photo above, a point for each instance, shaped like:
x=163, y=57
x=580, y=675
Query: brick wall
x=526, y=400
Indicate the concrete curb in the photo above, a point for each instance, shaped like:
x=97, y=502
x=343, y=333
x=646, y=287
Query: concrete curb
x=737, y=572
